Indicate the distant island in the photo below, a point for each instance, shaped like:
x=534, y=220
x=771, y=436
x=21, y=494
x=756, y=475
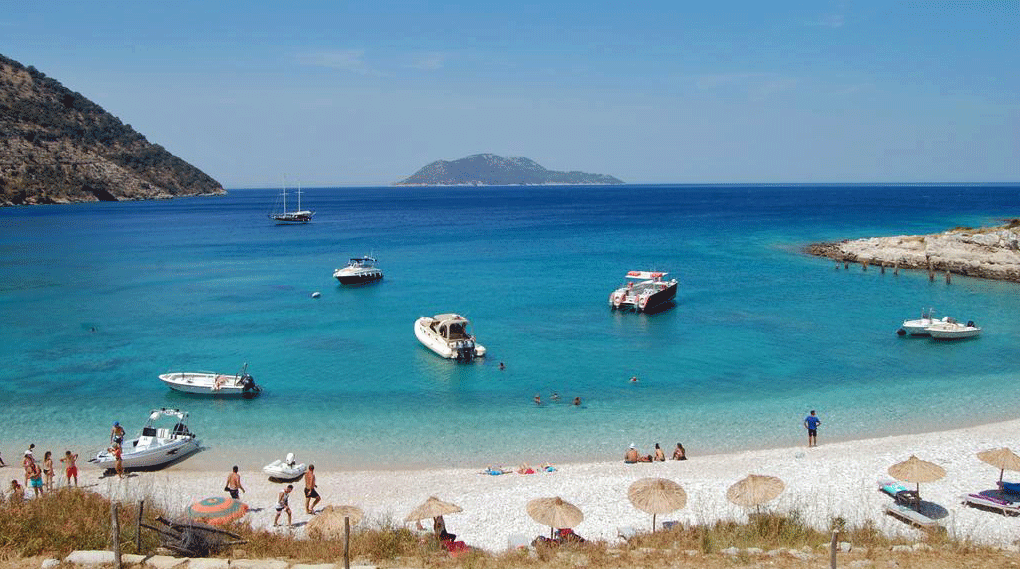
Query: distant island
x=56, y=146
x=492, y=170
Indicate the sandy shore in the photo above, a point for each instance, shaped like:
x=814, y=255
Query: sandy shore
x=836, y=479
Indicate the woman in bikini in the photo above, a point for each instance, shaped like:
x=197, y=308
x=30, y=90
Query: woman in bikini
x=70, y=468
x=48, y=470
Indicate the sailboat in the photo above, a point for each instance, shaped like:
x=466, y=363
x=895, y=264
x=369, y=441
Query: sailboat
x=297, y=216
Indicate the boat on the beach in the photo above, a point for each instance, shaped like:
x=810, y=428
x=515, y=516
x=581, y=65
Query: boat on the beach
x=949, y=329
x=286, y=469
x=448, y=335
x=919, y=326
x=155, y=446
x=644, y=292
x=209, y=383
x=284, y=217
x=359, y=270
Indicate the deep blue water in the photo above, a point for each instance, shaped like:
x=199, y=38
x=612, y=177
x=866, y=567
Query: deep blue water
x=761, y=332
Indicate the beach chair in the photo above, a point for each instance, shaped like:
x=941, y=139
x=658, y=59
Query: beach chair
x=904, y=496
x=912, y=516
x=993, y=500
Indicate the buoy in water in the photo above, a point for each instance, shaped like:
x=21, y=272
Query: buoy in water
x=316, y=294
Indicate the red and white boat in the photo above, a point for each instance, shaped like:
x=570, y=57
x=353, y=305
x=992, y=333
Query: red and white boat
x=646, y=291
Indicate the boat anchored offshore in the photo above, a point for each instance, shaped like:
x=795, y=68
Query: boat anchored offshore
x=284, y=217
x=209, y=383
x=918, y=327
x=359, y=270
x=645, y=292
x=949, y=329
x=448, y=336
x=286, y=469
x=154, y=447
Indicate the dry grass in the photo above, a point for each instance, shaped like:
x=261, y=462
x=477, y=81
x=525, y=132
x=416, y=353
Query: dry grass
x=75, y=519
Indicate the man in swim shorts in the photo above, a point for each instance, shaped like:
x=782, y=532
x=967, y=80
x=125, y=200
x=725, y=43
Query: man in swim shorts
x=234, y=484
x=282, y=504
x=71, y=468
x=811, y=423
x=310, y=493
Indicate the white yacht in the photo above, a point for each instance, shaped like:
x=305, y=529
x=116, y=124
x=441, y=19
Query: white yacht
x=645, y=291
x=359, y=270
x=448, y=336
x=209, y=383
x=918, y=327
x=154, y=446
x=949, y=329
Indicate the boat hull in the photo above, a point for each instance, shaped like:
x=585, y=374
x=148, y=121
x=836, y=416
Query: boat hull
x=200, y=383
x=358, y=279
x=622, y=300
x=955, y=334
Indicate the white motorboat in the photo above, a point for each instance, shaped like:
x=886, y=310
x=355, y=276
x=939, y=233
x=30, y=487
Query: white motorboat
x=284, y=217
x=209, y=383
x=359, y=270
x=448, y=335
x=918, y=327
x=646, y=291
x=949, y=329
x=155, y=446
x=286, y=469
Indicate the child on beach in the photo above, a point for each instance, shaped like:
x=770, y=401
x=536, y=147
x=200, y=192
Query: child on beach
x=48, y=470
x=70, y=467
x=17, y=492
x=283, y=505
x=118, y=462
x=35, y=479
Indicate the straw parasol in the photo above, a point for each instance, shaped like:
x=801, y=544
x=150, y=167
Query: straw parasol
x=216, y=510
x=755, y=490
x=917, y=471
x=432, y=508
x=330, y=521
x=1001, y=458
x=554, y=512
x=656, y=496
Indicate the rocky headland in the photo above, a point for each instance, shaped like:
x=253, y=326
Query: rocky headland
x=987, y=252
x=492, y=170
x=56, y=146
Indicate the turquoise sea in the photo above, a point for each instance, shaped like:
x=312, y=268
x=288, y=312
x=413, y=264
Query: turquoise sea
x=98, y=299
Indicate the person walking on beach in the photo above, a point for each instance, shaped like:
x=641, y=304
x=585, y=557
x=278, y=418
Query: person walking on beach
x=70, y=467
x=811, y=423
x=234, y=484
x=310, y=492
x=283, y=505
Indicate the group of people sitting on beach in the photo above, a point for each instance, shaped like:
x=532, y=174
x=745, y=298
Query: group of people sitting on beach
x=522, y=469
x=632, y=456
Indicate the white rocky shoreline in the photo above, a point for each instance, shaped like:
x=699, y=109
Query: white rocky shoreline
x=987, y=252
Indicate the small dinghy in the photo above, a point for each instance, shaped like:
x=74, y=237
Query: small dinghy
x=209, y=383
x=285, y=470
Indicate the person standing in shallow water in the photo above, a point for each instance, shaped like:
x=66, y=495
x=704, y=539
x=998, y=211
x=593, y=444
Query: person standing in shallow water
x=811, y=423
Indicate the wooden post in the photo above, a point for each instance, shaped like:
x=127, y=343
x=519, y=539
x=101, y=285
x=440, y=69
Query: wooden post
x=832, y=549
x=138, y=528
x=116, y=534
x=347, y=542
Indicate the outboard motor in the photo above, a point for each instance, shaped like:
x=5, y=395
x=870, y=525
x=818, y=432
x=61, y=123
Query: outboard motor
x=248, y=387
x=970, y=323
x=465, y=351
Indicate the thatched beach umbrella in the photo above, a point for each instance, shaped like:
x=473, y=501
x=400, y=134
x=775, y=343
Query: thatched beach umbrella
x=431, y=508
x=330, y=521
x=656, y=496
x=555, y=513
x=917, y=471
x=216, y=510
x=755, y=490
x=1001, y=458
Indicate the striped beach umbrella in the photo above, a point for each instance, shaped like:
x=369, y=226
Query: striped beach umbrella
x=216, y=510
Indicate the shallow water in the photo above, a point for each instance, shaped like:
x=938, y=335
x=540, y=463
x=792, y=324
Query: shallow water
x=760, y=334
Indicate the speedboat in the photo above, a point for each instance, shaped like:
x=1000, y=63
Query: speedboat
x=949, y=329
x=286, y=469
x=448, y=336
x=646, y=291
x=155, y=446
x=209, y=383
x=359, y=270
x=918, y=327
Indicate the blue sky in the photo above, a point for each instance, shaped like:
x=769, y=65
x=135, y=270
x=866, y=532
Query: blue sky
x=365, y=93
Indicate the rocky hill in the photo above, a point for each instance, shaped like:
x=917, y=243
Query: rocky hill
x=492, y=170
x=987, y=252
x=56, y=146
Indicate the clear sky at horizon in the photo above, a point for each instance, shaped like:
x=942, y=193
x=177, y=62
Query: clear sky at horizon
x=365, y=93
